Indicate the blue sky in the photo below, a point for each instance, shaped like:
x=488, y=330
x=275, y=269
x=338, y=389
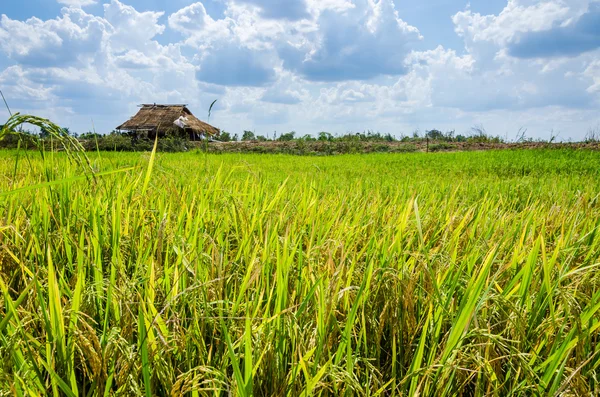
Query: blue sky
x=309, y=65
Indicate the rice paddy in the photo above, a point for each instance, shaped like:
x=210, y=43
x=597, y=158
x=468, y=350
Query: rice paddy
x=378, y=275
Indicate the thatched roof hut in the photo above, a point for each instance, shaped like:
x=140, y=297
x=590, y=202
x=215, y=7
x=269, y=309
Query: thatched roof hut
x=167, y=120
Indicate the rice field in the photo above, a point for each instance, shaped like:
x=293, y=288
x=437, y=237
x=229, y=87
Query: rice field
x=270, y=275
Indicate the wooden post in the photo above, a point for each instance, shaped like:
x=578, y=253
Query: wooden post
x=427, y=144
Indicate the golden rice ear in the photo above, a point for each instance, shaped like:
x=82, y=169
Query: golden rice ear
x=69, y=144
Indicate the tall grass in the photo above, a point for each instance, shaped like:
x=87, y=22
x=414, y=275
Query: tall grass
x=439, y=274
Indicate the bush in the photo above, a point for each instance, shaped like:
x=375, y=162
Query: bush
x=172, y=144
x=440, y=147
x=124, y=143
x=349, y=146
x=381, y=148
x=259, y=149
x=11, y=140
x=389, y=138
x=301, y=146
x=111, y=143
x=407, y=148
x=90, y=135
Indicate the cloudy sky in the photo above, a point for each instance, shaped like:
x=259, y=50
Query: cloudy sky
x=309, y=65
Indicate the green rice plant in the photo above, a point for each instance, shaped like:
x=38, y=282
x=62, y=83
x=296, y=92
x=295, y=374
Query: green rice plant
x=384, y=274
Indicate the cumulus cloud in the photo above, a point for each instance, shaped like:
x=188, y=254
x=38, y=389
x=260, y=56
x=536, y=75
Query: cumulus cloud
x=570, y=39
x=360, y=43
x=223, y=56
x=131, y=28
x=81, y=61
x=341, y=41
x=285, y=97
x=510, y=58
x=194, y=22
x=517, y=17
x=593, y=73
x=287, y=90
x=55, y=42
x=22, y=88
x=77, y=3
x=233, y=65
x=313, y=65
x=190, y=19
x=292, y=10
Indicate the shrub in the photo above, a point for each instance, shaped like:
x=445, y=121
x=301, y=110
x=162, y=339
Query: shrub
x=407, y=148
x=439, y=147
x=381, y=148
x=11, y=140
x=259, y=149
x=124, y=143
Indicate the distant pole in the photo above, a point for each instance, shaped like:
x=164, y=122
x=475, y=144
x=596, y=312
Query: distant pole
x=427, y=144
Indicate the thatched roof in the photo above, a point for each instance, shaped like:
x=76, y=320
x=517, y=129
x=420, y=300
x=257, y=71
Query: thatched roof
x=167, y=118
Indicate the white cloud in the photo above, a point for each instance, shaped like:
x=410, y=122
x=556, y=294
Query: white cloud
x=190, y=19
x=335, y=65
x=518, y=16
x=81, y=62
x=22, y=89
x=358, y=43
x=293, y=10
x=59, y=41
x=200, y=28
x=287, y=90
x=593, y=72
x=318, y=6
x=77, y=3
x=132, y=29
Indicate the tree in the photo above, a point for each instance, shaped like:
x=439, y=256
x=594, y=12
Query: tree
x=248, y=136
x=90, y=135
x=225, y=136
x=435, y=134
x=325, y=136
x=44, y=133
x=287, y=137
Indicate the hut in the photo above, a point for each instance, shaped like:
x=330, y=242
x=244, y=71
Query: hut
x=166, y=120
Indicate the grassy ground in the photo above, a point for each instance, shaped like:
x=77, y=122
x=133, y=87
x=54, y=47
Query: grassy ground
x=385, y=274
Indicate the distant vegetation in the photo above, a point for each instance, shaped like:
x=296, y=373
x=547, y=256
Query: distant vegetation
x=322, y=143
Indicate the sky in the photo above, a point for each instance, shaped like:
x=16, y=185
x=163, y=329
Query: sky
x=275, y=66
